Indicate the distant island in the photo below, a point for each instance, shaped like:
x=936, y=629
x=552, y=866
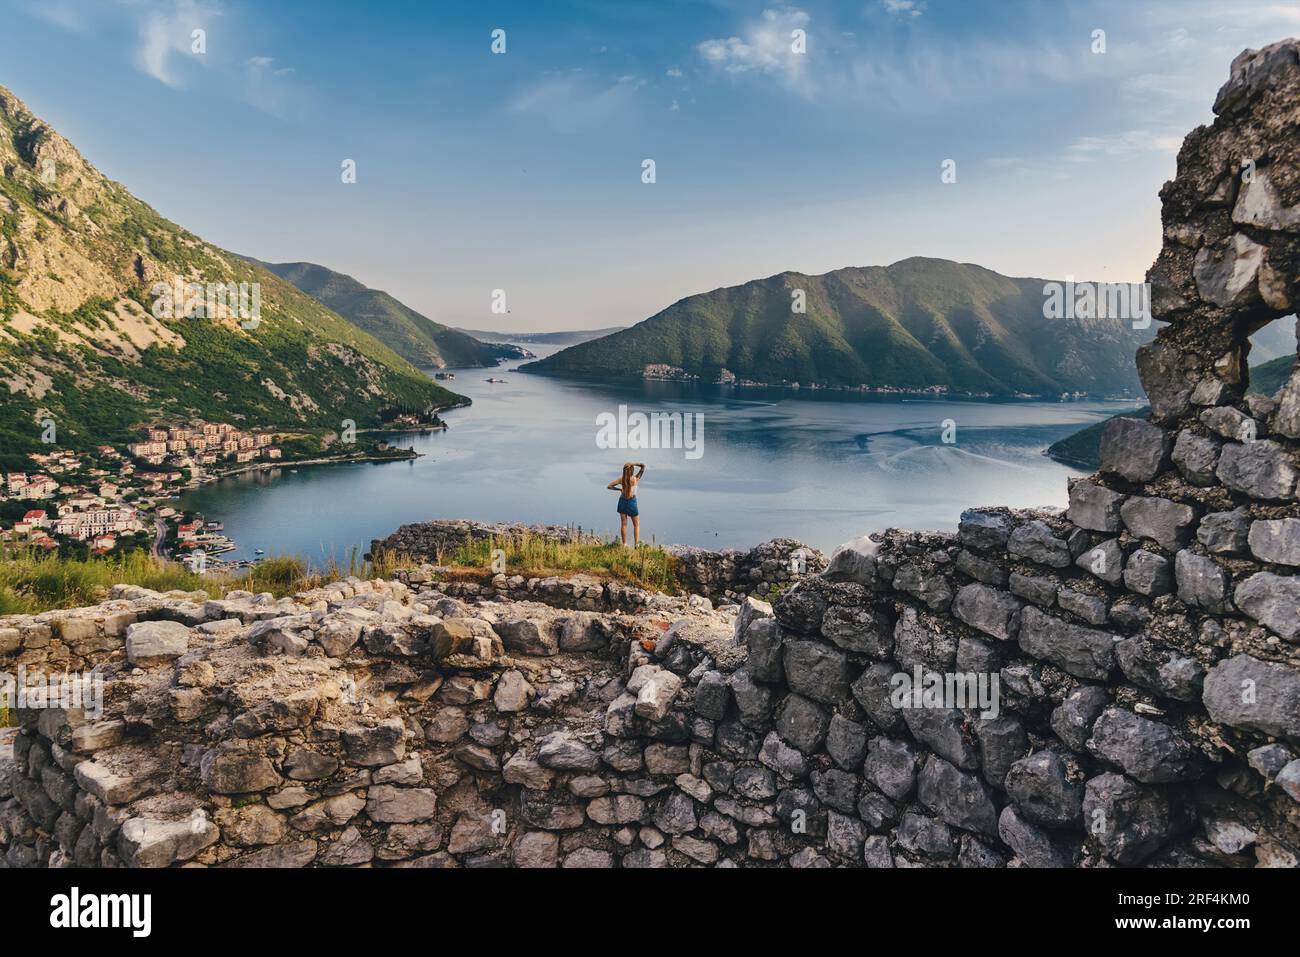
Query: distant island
x=573, y=337
x=919, y=325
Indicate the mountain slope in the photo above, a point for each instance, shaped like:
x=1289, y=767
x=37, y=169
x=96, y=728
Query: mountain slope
x=411, y=335
x=917, y=323
x=89, y=340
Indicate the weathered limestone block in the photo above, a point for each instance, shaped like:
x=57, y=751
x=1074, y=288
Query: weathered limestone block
x=1134, y=449
x=1083, y=652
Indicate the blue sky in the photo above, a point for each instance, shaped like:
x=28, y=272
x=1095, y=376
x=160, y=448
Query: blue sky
x=522, y=171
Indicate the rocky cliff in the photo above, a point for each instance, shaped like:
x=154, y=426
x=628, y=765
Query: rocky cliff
x=1115, y=685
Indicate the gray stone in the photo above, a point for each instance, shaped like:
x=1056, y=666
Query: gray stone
x=1160, y=668
x=536, y=849
x=1094, y=507
x=1041, y=591
x=1259, y=469
x=143, y=842
x=754, y=701
x=1148, y=574
x=1225, y=533
x=155, y=642
x=1276, y=541
x=1036, y=542
x=844, y=836
x=1197, y=457
x=941, y=729
x=563, y=751
x=1288, y=779
x=853, y=561
x=781, y=758
x=860, y=630
x=386, y=804
x=1168, y=524
x=802, y=723
x=1270, y=759
x=1002, y=742
x=1273, y=601
x=1105, y=560
x=763, y=637
x=513, y=692
x=891, y=766
x=1043, y=792
x=655, y=688
x=837, y=789
x=923, y=836
x=1083, y=652
x=930, y=587
x=846, y=742
x=377, y=746
x=1147, y=750
x=1162, y=369
x=981, y=569
x=229, y=772
x=993, y=612
x=919, y=642
x=1127, y=821
x=872, y=690
x=1090, y=608
x=528, y=636
x=616, y=809
x=816, y=671
x=875, y=852
x=959, y=799
x=1226, y=275
x=676, y=815
x=986, y=530
x=1034, y=845
x=712, y=695
x=977, y=655
x=1263, y=696
x=751, y=610
x=1230, y=423
x=801, y=607
x=1202, y=582
x=1134, y=449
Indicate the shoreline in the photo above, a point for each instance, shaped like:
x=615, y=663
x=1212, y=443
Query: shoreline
x=408, y=455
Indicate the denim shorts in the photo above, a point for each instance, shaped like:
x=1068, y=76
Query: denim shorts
x=627, y=506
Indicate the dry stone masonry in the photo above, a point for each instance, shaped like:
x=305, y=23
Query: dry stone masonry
x=1114, y=685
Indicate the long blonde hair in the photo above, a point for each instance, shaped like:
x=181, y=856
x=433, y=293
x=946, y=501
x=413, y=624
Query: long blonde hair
x=626, y=480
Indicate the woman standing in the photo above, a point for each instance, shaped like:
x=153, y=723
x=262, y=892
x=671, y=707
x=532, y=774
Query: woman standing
x=626, y=487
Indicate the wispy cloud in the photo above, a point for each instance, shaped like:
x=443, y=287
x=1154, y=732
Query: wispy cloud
x=903, y=8
x=171, y=32
x=769, y=45
x=574, y=98
x=177, y=41
x=1088, y=148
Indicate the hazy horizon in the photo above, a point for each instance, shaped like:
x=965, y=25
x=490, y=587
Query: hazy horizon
x=522, y=170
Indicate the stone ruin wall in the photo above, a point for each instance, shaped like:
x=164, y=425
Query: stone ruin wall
x=1146, y=644
x=719, y=575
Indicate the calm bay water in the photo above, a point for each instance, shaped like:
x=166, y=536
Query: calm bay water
x=819, y=467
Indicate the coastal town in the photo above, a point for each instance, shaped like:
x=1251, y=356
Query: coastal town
x=112, y=500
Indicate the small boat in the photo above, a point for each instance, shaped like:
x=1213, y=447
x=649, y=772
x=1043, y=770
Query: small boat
x=259, y=551
x=494, y=379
